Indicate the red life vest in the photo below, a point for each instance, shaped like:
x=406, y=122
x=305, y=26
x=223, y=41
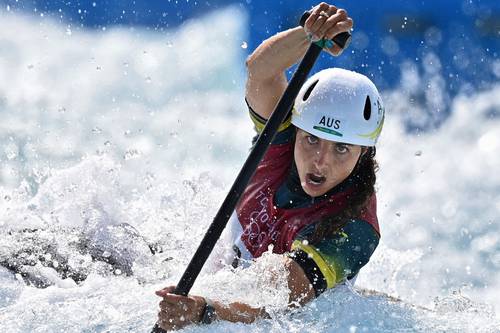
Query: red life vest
x=264, y=224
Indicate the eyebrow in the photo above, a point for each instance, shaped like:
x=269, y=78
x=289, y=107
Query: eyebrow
x=337, y=143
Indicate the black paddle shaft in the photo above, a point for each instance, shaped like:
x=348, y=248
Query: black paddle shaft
x=280, y=113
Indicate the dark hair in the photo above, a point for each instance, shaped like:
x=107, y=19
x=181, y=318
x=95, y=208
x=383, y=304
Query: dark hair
x=363, y=180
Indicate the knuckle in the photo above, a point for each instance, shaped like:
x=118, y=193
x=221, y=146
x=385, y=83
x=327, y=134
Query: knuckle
x=342, y=13
x=323, y=6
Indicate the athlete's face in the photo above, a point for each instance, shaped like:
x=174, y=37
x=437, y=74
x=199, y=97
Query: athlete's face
x=323, y=164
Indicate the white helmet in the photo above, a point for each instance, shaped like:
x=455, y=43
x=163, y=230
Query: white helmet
x=340, y=105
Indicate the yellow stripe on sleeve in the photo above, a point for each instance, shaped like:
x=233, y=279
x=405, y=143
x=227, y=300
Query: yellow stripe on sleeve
x=259, y=124
x=327, y=270
x=285, y=125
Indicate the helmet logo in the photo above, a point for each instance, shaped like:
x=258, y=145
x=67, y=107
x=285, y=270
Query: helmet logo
x=329, y=125
x=330, y=122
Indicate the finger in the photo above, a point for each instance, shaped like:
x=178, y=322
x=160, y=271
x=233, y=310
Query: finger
x=174, y=320
x=332, y=10
x=315, y=14
x=172, y=317
x=163, y=316
x=320, y=20
x=176, y=308
x=338, y=28
x=174, y=299
x=164, y=291
x=166, y=325
x=333, y=20
x=165, y=305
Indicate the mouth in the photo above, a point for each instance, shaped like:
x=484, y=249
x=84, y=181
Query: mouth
x=315, y=179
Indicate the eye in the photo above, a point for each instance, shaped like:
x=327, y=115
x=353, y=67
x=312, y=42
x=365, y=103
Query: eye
x=342, y=149
x=311, y=139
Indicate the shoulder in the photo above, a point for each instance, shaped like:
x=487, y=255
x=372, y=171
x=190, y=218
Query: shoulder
x=361, y=231
x=356, y=236
x=337, y=257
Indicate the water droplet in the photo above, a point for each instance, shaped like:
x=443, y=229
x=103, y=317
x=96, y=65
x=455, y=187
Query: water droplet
x=244, y=45
x=148, y=79
x=11, y=151
x=94, y=4
x=96, y=130
x=418, y=153
x=131, y=153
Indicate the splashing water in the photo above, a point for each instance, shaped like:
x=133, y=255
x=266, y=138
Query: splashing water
x=114, y=178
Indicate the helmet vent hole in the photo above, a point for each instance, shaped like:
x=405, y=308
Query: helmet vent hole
x=368, y=108
x=309, y=90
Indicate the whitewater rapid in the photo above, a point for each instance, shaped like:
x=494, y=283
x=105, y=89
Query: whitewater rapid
x=104, y=132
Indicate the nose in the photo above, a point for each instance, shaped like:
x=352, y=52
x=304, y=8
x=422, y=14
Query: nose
x=321, y=157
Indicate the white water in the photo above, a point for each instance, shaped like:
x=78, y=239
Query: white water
x=149, y=129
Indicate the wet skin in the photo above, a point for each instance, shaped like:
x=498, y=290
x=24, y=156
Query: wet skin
x=323, y=164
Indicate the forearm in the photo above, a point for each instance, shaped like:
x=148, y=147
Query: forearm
x=300, y=288
x=238, y=312
x=278, y=53
x=266, y=69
